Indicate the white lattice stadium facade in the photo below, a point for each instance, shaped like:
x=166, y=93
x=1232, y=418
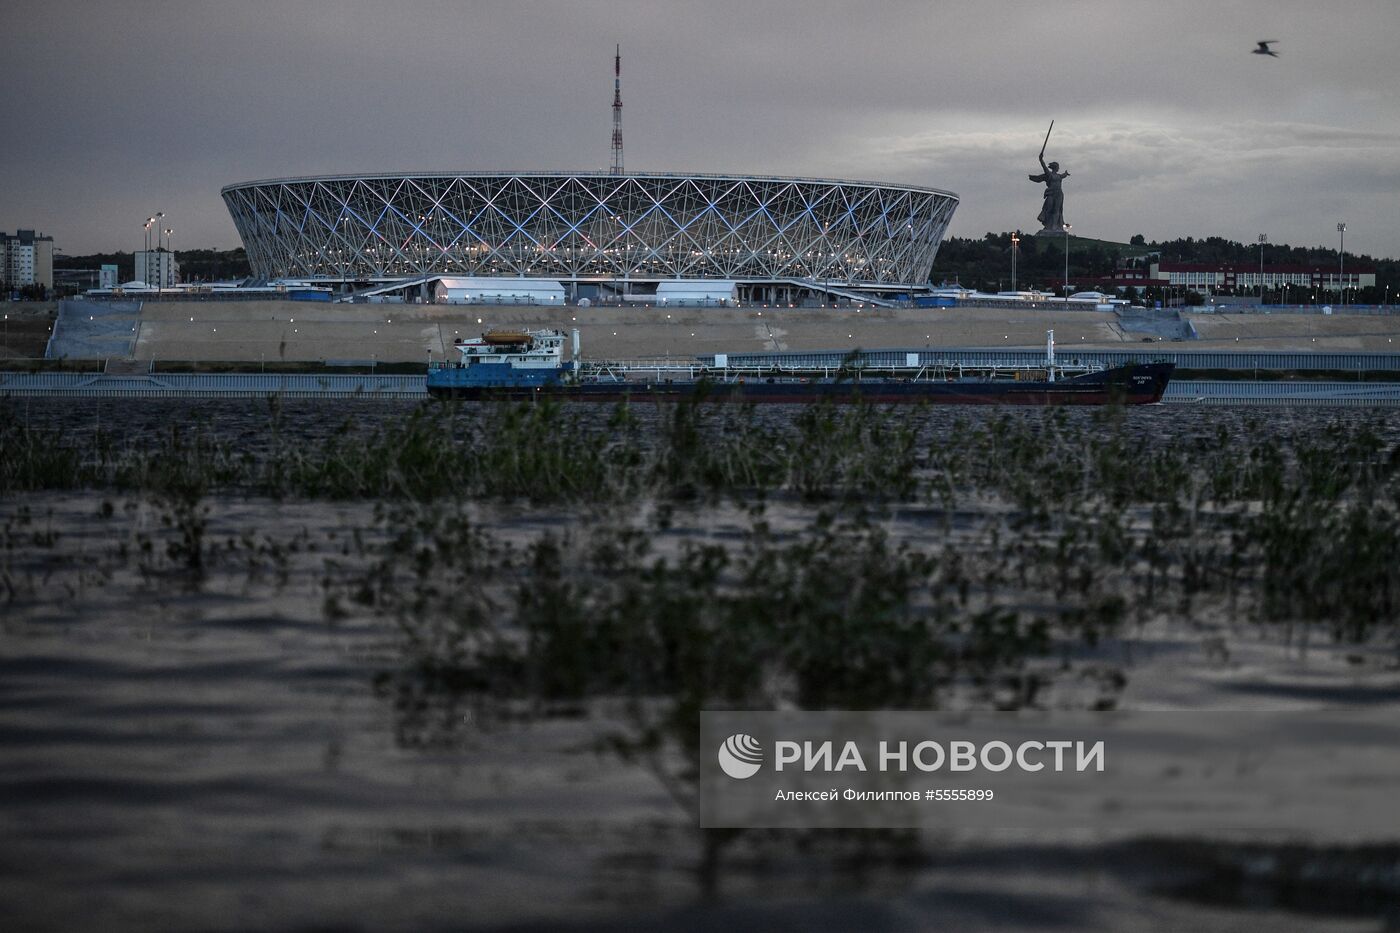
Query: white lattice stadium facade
x=592, y=228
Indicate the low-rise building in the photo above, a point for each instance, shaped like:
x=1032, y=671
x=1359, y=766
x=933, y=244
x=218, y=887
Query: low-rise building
x=157, y=268
x=1209, y=278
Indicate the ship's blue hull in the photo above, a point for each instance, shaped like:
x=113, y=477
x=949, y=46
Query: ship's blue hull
x=1138, y=384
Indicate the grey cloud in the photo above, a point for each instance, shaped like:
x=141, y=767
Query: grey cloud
x=1162, y=115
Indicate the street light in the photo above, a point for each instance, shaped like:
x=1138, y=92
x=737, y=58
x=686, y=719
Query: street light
x=1342, y=261
x=143, y=274
x=1263, y=238
x=1067, y=265
x=1015, y=248
x=160, y=267
x=171, y=253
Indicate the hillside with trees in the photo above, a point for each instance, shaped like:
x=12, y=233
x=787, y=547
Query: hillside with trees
x=985, y=264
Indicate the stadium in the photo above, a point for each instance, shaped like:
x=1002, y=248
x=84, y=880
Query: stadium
x=595, y=235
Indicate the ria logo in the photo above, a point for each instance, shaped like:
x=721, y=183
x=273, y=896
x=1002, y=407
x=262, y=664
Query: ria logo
x=741, y=756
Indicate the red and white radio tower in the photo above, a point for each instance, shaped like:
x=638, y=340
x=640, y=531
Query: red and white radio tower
x=617, y=114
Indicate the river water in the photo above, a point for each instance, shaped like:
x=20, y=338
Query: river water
x=216, y=749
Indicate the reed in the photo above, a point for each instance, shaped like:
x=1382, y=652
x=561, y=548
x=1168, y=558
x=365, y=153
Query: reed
x=1290, y=522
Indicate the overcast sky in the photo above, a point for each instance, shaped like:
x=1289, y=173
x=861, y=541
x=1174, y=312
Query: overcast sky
x=114, y=109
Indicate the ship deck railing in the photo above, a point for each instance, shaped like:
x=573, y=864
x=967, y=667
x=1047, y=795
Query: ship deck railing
x=662, y=369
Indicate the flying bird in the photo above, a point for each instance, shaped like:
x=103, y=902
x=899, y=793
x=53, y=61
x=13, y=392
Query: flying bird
x=1264, y=48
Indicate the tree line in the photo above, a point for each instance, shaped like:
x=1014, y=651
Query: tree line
x=985, y=264
x=196, y=265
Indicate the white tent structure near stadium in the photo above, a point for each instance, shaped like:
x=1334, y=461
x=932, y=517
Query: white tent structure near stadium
x=705, y=292
x=498, y=291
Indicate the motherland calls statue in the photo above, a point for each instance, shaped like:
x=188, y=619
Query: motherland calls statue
x=1052, y=211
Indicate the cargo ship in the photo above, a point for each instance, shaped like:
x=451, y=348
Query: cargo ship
x=527, y=364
